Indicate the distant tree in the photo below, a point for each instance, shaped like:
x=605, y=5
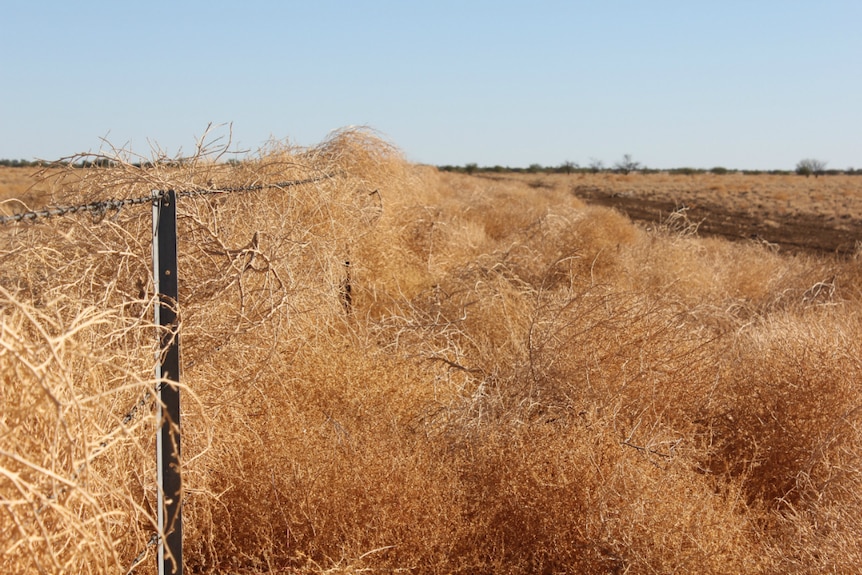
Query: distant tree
x=568, y=167
x=596, y=165
x=627, y=165
x=471, y=168
x=534, y=168
x=686, y=171
x=18, y=163
x=719, y=170
x=810, y=166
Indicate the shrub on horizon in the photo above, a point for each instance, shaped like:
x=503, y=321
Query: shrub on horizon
x=809, y=166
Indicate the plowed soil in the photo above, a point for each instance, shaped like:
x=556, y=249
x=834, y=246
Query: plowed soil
x=791, y=212
x=791, y=232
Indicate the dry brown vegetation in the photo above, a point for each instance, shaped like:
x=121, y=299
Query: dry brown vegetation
x=23, y=187
x=519, y=382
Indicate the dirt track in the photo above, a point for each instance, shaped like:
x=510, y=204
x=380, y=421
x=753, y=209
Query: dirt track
x=792, y=233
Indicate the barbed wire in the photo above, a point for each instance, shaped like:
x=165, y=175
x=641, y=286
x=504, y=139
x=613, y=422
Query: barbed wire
x=153, y=540
x=254, y=187
x=131, y=413
x=100, y=208
x=150, y=394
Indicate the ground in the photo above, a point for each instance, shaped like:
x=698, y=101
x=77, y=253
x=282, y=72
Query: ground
x=792, y=212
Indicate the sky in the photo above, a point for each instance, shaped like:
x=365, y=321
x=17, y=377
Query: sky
x=754, y=84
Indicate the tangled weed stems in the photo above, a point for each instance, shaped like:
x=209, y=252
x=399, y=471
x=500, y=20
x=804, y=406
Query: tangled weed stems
x=523, y=384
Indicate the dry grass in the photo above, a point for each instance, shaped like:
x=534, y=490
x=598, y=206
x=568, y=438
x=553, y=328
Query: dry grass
x=21, y=188
x=518, y=383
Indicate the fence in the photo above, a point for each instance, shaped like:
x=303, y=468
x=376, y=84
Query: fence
x=167, y=365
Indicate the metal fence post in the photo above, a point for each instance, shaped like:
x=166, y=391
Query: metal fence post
x=170, y=519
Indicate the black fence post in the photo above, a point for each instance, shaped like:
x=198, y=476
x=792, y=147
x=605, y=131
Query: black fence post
x=170, y=517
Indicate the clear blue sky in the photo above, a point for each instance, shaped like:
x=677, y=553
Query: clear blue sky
x=741, y=84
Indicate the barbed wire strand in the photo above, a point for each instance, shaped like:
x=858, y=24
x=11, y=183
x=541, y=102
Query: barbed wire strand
x=102, y=207
x=153, y=540
x=150, y=394
x=130, y=414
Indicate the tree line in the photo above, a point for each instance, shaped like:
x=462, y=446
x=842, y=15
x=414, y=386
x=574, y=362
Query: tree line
x=627, y=165
x=84, y=163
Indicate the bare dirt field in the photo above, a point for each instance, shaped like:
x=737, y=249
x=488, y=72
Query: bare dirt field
x=795, y=213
